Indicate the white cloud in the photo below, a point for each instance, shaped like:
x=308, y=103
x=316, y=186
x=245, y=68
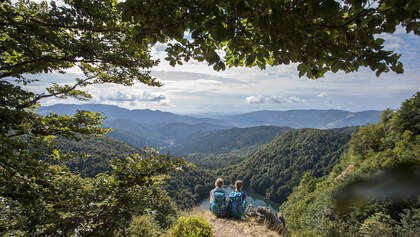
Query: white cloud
x=255, y=100
x=143, y=96
x=272, y=100
x=293, y=99
x=195, y=87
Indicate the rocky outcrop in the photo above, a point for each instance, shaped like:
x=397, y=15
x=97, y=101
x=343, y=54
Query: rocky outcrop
x=274, y=221
x=347, y=171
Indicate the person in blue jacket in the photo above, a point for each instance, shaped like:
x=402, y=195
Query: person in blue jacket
x=237, y=201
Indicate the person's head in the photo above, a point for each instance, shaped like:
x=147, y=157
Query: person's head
x=219, y=183
x=238, y=185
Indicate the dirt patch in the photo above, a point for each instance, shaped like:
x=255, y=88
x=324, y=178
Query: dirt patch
x=347, y=171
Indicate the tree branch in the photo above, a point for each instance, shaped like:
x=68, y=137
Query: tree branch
x=71, y=59
x=42, y=96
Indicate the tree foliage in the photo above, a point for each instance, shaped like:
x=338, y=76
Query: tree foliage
x=319, y=35
x=409, y=116
x=42, y=37
x=144, y=226
x=192, y=226
x=188, y=188
x=92, y=154
x=37, y=198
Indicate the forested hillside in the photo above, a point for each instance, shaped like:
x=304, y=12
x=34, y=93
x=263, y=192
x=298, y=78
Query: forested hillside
x=373, y=191
x=222, y=141
x=95, y=153
x=155, y=134
x=134, y=139
x=272, y=171
x=213, y=161
x=187, y=188
x=276, y=168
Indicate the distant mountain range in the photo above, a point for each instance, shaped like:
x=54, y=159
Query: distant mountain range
x=164, y=129
x=112, y=112
x=155, y=135
x=305, y=118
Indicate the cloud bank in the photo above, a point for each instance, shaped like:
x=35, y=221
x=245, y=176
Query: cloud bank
x=143, y=96
x=272, y=100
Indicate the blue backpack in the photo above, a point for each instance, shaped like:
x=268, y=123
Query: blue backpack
x=218, y=205
x=237, y=204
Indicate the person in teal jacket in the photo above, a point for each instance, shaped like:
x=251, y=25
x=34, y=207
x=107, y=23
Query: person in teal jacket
x=218, y=199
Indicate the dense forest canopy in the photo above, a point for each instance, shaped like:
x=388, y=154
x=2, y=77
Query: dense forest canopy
x=110, y=42
x=276, y=168
x=222, y=141
x=373, y=190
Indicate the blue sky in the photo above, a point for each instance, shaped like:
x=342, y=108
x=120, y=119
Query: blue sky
x=194, y=88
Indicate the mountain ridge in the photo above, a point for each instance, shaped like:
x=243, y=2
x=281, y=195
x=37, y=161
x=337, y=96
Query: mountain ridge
x=304, y=118
x=113, y=112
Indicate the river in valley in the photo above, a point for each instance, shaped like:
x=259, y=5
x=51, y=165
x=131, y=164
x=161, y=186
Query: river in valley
x=255, y=199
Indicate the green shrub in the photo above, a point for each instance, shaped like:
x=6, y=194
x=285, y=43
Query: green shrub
x=192, y=227
x=144, y=226
x=379, y=225
x=410, y=221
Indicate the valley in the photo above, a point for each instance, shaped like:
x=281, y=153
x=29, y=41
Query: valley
x=165, y=129
x=296, y=171
x=117, y=118
x=269, y=159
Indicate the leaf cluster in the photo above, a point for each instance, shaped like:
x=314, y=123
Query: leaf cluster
x=318, y=35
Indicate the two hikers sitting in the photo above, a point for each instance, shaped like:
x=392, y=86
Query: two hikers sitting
x=234, y=206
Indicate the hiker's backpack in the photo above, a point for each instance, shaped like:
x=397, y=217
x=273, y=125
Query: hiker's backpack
x=237, y=204
x=219, y=204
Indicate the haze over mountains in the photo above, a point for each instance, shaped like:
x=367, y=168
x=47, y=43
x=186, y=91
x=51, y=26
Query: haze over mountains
x=164, y=129
x=113, y=112
x=305, y=118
